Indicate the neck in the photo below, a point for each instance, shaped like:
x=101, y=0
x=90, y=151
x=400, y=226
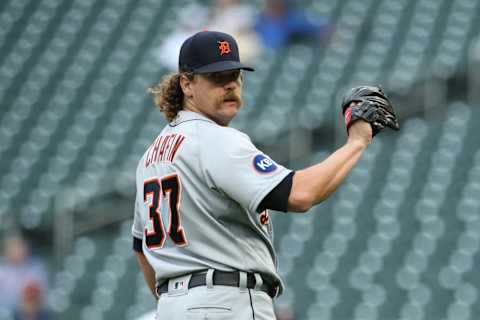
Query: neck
x=190, y=106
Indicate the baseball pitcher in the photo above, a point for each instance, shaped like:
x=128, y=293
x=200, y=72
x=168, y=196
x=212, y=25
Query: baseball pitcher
x=201, y=227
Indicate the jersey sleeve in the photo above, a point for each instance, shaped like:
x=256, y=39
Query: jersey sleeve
x=233, y=165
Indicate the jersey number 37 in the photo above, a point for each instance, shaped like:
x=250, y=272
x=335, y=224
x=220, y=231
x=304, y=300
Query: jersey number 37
x=167, y=187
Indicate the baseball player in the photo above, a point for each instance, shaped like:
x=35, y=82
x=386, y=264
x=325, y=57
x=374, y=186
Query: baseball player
x=201, y=227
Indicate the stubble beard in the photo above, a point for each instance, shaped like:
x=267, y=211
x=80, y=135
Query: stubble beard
x=225, y=118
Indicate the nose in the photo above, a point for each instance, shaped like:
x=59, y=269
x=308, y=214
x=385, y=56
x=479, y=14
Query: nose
x=231, y=85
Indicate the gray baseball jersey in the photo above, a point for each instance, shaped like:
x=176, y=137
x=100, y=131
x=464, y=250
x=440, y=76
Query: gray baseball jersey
x=198, y=188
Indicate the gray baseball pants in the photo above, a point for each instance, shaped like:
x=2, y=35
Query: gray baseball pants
x=213, y=302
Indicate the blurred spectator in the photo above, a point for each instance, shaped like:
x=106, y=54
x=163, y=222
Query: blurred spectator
x=284, y=312
x=237, y=19
x=32, y=307
x=192, y=18
x=17, y=270
x=228, y=16
x=281, y=23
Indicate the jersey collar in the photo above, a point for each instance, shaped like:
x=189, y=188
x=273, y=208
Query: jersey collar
x=185, y=115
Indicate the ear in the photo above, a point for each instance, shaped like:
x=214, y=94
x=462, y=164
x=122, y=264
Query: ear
x=186, y=85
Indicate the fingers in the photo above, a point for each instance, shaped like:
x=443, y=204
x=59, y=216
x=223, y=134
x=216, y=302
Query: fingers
x=393, y=124
x=388, y=119
x=377, y=127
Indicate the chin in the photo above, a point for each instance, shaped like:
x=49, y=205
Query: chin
x=225, y=112
x=226, y=117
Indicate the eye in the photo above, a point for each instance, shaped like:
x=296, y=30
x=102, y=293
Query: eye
x=222, y=78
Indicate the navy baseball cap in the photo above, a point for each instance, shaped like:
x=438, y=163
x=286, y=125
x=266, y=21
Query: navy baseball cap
x=210, y=51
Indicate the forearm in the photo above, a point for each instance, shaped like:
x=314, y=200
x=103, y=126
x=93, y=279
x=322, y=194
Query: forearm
x=148, y=272
x=314, y=184
x=353, y=152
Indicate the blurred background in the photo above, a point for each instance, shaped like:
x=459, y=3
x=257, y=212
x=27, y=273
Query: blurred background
x=399, y=240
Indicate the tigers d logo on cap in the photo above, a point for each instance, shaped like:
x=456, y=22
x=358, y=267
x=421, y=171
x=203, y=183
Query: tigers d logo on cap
x=224, y=47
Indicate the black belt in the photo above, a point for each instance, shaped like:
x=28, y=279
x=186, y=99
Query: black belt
x=223, y=278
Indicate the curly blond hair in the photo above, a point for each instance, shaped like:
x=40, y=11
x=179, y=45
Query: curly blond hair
x=168, y=95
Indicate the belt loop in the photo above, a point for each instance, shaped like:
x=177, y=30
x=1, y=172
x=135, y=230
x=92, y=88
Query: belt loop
x=209, y=278
x=242, y=281
x=277, y=291
x=258, y=281
x=157, y=292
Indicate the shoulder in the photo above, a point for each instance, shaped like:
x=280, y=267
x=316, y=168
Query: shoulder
x=205, y=127
x=225, y=131
x=142, y=160
x=225, y=138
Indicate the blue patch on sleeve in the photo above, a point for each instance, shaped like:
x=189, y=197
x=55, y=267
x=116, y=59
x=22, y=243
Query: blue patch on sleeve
x=263, y=164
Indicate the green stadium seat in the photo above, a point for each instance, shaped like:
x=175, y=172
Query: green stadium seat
x=466, y=294
x=91, y=313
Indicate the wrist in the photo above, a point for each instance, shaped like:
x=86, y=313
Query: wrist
x=358, y=142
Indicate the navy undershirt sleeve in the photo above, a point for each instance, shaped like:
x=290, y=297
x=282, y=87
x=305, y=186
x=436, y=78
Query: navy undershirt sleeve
x=137, y=244
x=277, y=199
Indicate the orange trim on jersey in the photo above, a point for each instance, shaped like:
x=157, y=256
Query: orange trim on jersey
x=183, y=242
x=159, y=215
x=153, y=151
x=162, y=149
x=175, y=147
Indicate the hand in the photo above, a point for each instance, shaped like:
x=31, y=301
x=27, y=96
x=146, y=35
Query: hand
x=360, y=132
x=371, y=105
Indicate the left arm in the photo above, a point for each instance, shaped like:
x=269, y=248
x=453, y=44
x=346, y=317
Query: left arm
x=148, y=272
